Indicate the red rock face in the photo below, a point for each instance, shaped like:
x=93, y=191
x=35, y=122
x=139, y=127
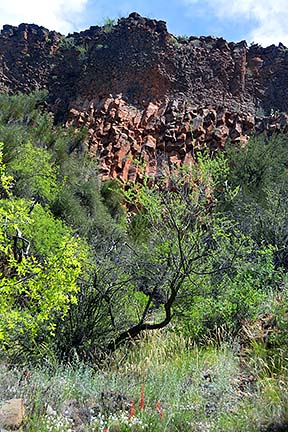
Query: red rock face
x=161, y=136
x=145, y=95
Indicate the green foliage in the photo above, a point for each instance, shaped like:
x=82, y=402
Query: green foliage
x=243, y=292
x=51, y=166
x=138, y=281
x=262, y=163
x=20, y=108
x=205, y=248
x=183, y=38
x=112, y=194
x=5, y=180
x=34, y=174
x=67, y=43
x=36, y=288
x=108, y=303
x=184, y=260
x=266, y=222
x=261, y=205
x=108, y=24
x=79, y=202
x=41, y=259
x=202, y=252
x=176, y=42
x=197, y=388
x=70, y=43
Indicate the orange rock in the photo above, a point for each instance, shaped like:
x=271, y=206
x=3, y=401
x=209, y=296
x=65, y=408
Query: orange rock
x=175, y=160
x=221, y=133
x=181, y=137
x=150, y=111
x=73, y=112
x=126, y=167
x=186, y=127
x=188, y=160
x=150, y=142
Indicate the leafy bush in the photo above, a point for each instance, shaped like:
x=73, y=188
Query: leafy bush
x=205, y=248
x=261, y=206
x=108, y=24
x=79, y=202
x=134, y=283
x=51, y=166
x=259, y=165
x=243, y=292
x=36, y=288
x=34, y=174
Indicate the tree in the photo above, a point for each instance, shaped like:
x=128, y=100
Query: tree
x=183, y=237
x=39, y=272
x=136, y=285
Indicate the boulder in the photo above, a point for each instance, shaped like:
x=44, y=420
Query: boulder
x=12, y=414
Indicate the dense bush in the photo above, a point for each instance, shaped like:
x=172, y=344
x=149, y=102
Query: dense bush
x=51, y=165
x=50, y=198
x=40, y=265
x=261, y=206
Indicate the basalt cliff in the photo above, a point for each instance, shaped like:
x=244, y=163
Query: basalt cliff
x=144, y=94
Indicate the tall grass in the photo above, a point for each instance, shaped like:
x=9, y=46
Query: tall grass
x=170, y=384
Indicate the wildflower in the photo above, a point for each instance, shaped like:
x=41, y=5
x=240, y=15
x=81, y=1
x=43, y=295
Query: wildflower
x=132, y=410
x=159, y=409
x=142, y=399
x=26, y=375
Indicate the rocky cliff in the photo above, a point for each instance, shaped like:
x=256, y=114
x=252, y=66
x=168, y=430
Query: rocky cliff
x=145, y=94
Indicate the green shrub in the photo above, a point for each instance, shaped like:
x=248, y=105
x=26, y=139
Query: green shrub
x=34, y=174
x=40, y=265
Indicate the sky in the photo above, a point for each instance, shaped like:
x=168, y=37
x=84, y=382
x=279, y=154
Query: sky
x=257, y=21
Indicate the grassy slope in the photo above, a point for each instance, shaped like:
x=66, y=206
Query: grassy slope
x=198, y=389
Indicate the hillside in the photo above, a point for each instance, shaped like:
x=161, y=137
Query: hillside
x=146, y=94
x=143, y=231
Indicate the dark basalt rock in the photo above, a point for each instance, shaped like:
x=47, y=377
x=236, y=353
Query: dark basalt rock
x=143, y=92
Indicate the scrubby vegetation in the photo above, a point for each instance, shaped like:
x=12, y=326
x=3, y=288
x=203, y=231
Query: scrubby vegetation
x=172, y=295
x=163, y=383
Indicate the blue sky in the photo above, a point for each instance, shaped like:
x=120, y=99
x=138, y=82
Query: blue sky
x=261, y=21
x=181, y=18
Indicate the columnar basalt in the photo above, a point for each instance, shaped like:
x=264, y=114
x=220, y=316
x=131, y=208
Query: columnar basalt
x=26, y=57
x=145, y=94
x=162, y=134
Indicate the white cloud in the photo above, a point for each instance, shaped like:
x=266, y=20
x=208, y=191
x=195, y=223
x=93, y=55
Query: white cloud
x=60, y=15
x=270, y=16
